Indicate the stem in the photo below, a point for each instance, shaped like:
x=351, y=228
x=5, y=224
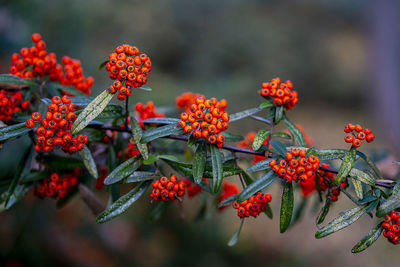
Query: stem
x=240, y=174
x=271, y=130
x=257, y=118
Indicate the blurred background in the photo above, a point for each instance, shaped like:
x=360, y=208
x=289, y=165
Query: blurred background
x=342, y=56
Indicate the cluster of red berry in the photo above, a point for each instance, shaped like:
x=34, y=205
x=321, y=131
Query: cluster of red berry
x=128, y=68
x=281, y=93
x=228, y=189
x=57, y=186
x=131, y=151
x=167, y=189
x=147, y=111
x=325, y=181
x=206, y=119
x=247, y=143
x=185, y=100
x=391, y=226
x=102, y=176
x=11, y=102
x=54, y=129
x=37, y=62
x=356, y=134
x=73, y=75
x=296, y=166
x=252, y=206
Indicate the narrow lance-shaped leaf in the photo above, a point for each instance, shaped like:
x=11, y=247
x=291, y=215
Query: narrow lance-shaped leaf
x=199, y=162
x=123, y=170
x=324, y=210
x=286, y=207
x=158, y=211
x=235, y=236
x=371, y=164
x=91, y=111
x=162, y=120
x=340, y=222
x=12, y=131
x=278, y=114
x=259, y=166
x=137, y=134
x=362, y=176
x=145, y=88
x=89, y=162
x=244, y=114
x=154, y=133
x=357, y=188
x=278, y=147
x=9, y=79
x=258, y=185
x=259, y=139
x=268, y=211
x=346, y=165
x=227, y=201
x=297, y=134
x=368, y=239
x=330, y=154
x=140, y=176
x=393, y=202
x=123, y=203
x=298, y=211
x=216, y=162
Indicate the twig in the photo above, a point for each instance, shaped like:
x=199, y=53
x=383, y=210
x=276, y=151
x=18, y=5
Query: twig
x=126, y=112
x=257, y=118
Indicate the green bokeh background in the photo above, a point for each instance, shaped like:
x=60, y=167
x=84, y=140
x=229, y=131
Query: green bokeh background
x=224, y=49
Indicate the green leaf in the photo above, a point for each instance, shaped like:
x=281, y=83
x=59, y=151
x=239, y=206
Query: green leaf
x=230, y=137
x=227, y=201
x=371, y=164
x=216, y=162
x=286, y=207
x=260, y=166
x=330, y=154
x=199, y=162
x=123, y=203
x=145, y=88
x=278, y=114
x=247, y=179
x=158, y=211
x=89, y=162
x=346, y=165
x=393, y=202
x=369, y=239
x=22, y=168
x=103, y=64
x=362, y=176
x=268, y=211
x=367, y=199
x=154, y=133
x=7, y=79
x=34, y=176
x=396, y=189
x=345, y=219
x=324, y=211
x=278, y=147
x=12, y=131
x=235, y=236
x=123, y=170
x=91, y=111
x=259, y=139
x=140, y=176
x=162, y=120
x=258, y=185
x=297, y=134
x=243, y=114
x=266, y=104
x=137, y=134
x=357, y=188
x=111, y=157
x=168, y=157
x=150, y=160
x=19, y=192
x=110, y=112
x=281, y=135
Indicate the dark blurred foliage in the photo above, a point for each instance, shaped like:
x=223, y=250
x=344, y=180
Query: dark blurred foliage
x=220, y=48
